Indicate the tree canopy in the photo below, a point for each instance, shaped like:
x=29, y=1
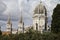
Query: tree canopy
x=55, y=26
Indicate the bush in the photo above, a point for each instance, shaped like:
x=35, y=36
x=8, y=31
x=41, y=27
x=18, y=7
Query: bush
x=32, y=35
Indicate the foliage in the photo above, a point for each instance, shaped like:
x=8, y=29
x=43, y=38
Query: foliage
x=31, y=35
x=55, y=26
x=0, y=32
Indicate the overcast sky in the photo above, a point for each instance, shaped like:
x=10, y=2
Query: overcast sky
x=26, y=7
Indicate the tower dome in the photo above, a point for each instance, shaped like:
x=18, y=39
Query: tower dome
x=39, y=9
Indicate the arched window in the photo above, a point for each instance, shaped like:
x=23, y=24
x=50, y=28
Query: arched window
x=36, y=26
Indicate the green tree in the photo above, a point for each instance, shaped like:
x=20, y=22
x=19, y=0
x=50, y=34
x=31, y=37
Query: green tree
x=55, y=26
x=0, y=32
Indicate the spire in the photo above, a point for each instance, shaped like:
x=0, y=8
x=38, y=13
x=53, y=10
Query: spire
x=28, y=0
x=9, y=20
x=21, y=18
x=40, y=1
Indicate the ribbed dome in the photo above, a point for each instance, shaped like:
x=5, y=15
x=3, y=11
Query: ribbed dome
x=39, y=9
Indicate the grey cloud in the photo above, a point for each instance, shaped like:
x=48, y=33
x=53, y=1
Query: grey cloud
x=27, y=8
x=2, y=9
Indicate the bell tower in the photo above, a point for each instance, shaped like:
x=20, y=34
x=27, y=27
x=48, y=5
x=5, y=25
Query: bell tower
x=9, y=25
x=39, y=18
x=21, y=25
